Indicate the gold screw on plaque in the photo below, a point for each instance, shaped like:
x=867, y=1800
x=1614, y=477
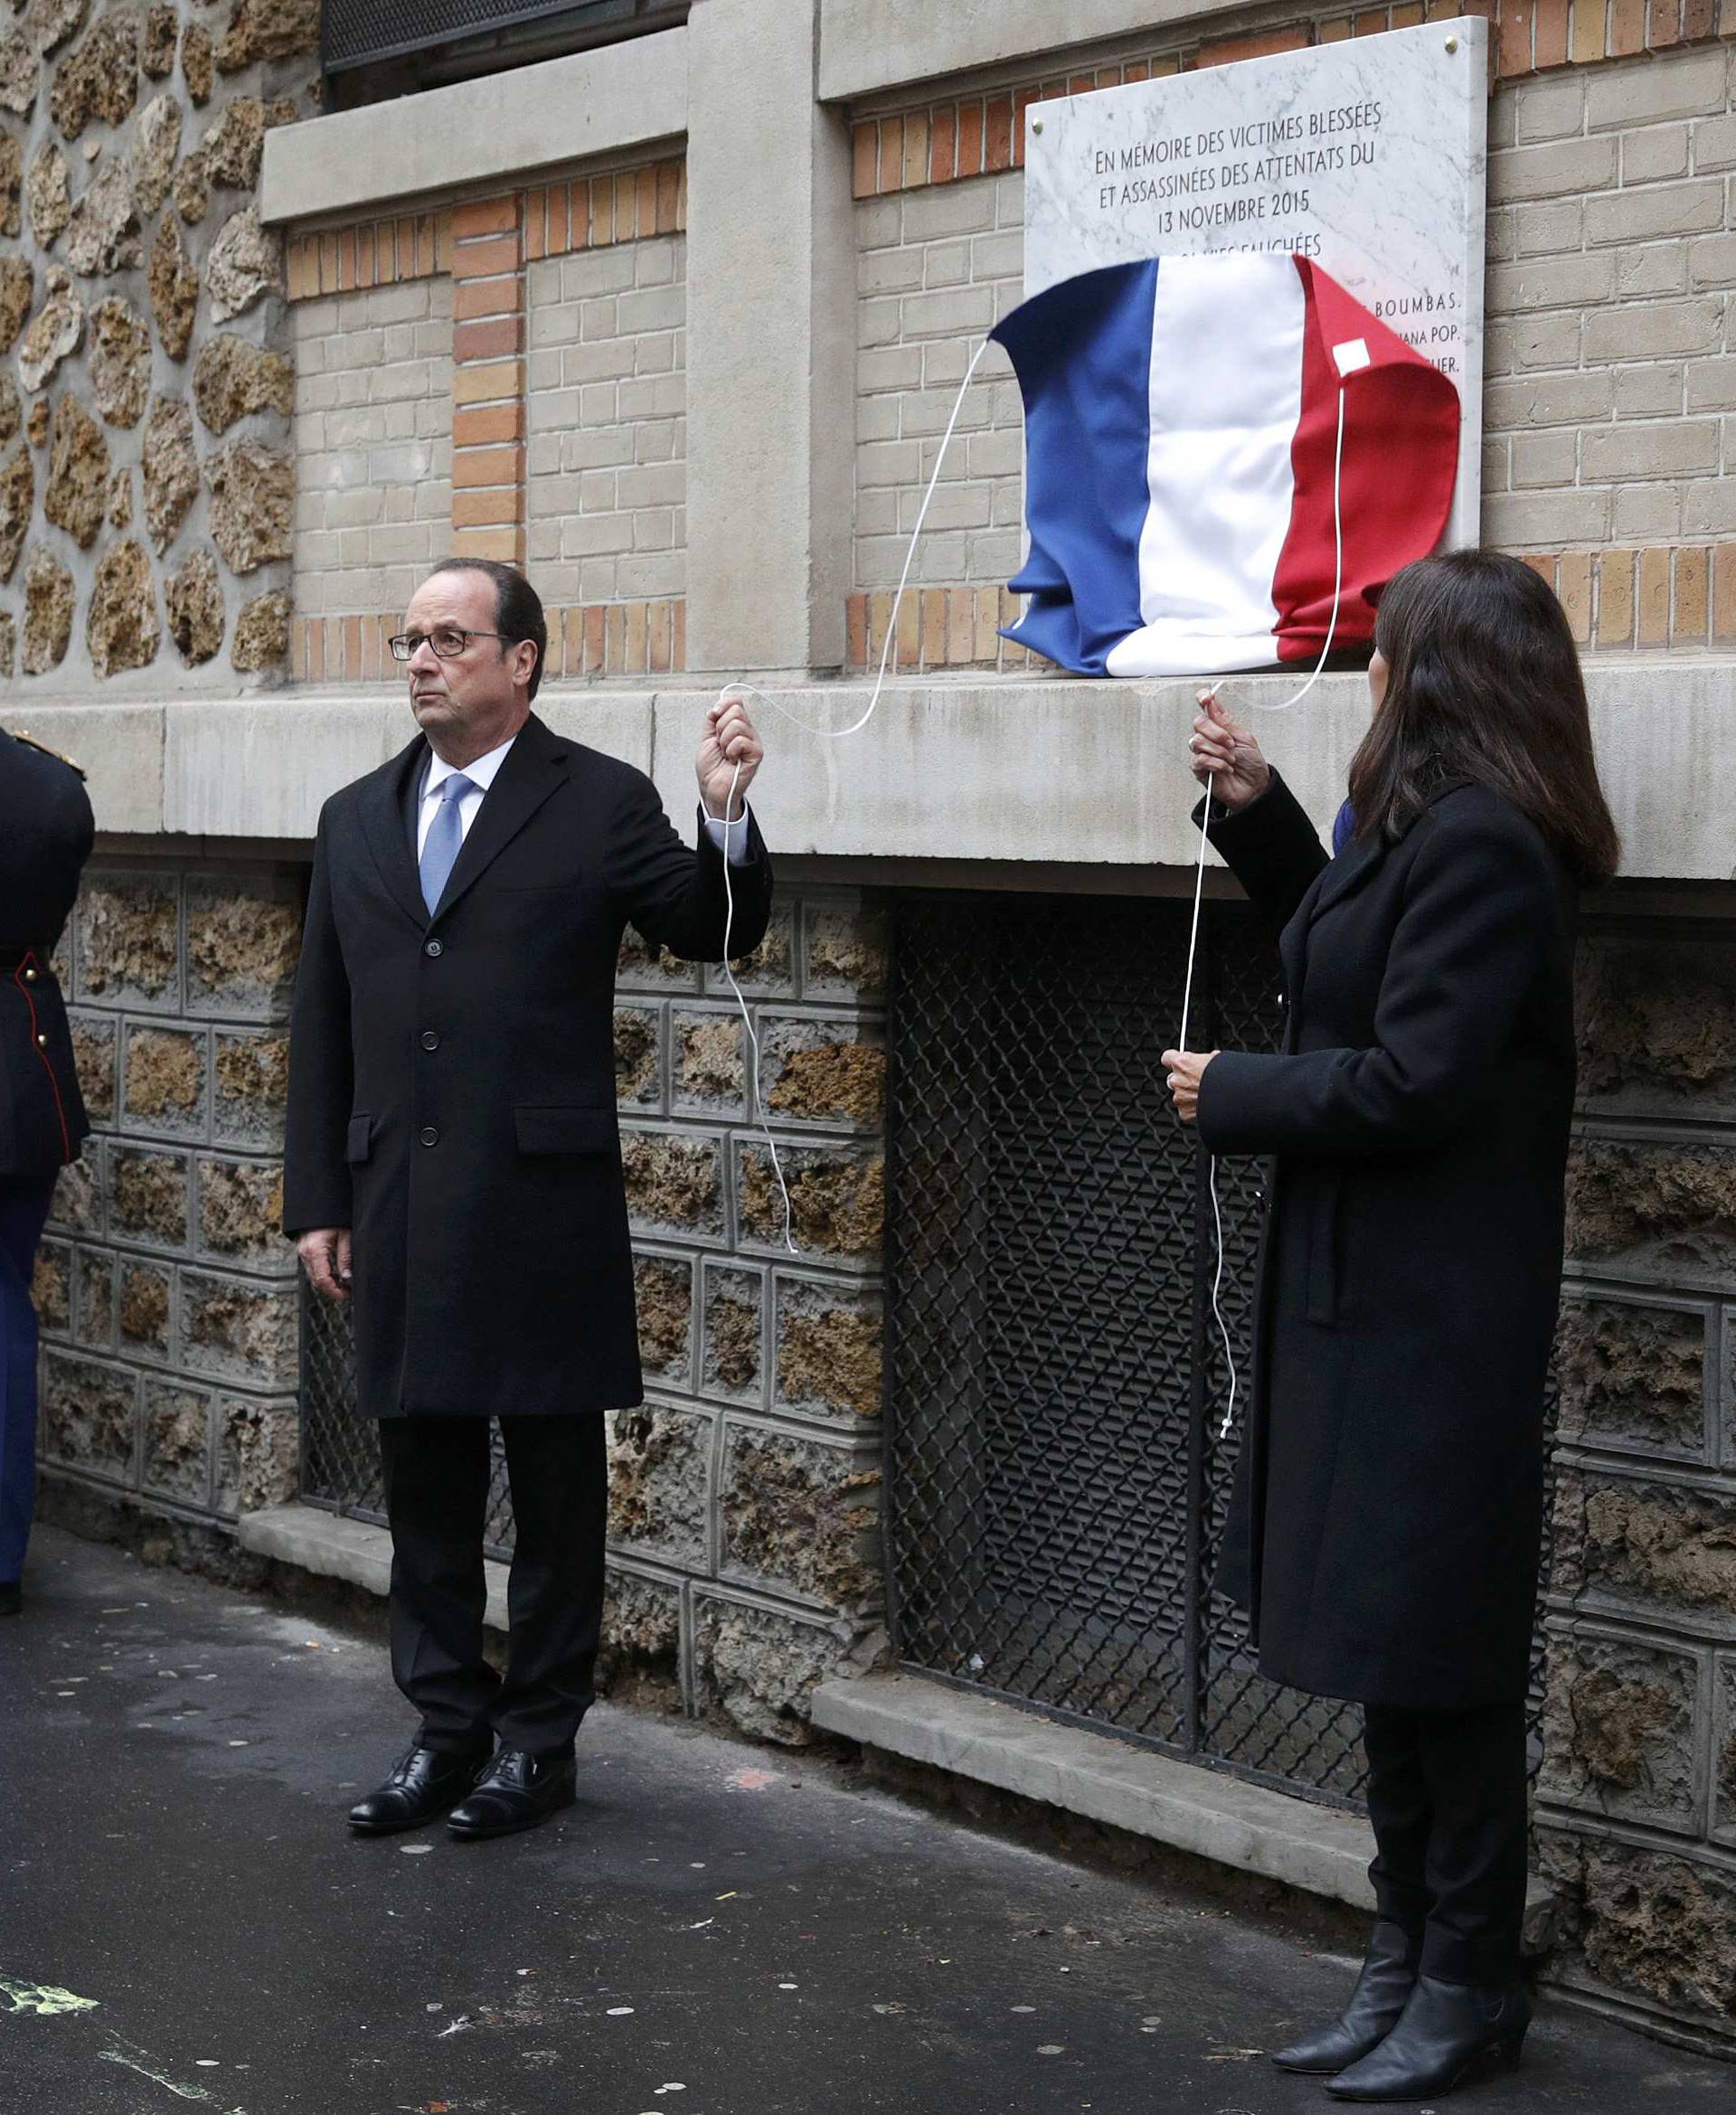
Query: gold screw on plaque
x=1036, y=124
x=1452, y=43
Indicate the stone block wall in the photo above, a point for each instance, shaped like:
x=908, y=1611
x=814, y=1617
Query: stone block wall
x=1611, y=254
x=745, y=1495
x=146, y=482
x=1636, y=1802
x=373, y=445
x=166, y=1292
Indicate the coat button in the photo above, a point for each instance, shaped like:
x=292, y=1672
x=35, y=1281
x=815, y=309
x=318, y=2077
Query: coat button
x=30, y=976
x=430, y=1040
x=430, y=1137
x=433, y=947
x=42, y=1042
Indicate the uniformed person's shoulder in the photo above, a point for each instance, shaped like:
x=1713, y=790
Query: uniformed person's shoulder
x=25, y=741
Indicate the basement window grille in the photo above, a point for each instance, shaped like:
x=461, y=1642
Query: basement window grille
x=1058, y=1489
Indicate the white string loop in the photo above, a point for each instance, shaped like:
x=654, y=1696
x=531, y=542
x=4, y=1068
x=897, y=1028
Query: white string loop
x=739, y=687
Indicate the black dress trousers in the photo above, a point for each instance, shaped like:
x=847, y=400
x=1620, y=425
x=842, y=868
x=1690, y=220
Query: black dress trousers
x=437, y=1472
x=1447, y=1798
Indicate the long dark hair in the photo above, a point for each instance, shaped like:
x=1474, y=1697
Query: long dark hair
x=1484, y=684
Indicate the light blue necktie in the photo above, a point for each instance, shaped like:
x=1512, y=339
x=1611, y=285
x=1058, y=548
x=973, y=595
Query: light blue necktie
x=444, y=835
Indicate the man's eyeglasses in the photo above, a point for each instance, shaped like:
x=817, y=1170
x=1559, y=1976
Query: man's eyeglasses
x=448, y=640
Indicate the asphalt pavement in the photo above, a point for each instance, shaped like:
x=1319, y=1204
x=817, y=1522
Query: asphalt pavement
x=715, y=1929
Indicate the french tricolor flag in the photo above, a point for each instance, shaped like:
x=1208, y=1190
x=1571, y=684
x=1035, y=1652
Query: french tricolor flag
x=1183, y=464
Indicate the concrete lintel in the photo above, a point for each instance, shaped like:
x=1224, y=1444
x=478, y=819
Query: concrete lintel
x=119, y=748
x=263, y=770
x=1072, y=771
x=1030, y=773
x=333, y=1547
x=1319, y=1849
x=867, y=46
x=1026, y=775
x=500, y=127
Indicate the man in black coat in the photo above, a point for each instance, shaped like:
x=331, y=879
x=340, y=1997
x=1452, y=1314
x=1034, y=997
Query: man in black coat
x=453, y=1163
x=46, y=831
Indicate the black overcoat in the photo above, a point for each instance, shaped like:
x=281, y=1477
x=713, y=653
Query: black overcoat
x=452, y=1077
x=1389, y=1508
x=46, y=831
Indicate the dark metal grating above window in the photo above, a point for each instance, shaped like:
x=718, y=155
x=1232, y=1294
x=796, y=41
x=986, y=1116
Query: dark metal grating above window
x=358, y=32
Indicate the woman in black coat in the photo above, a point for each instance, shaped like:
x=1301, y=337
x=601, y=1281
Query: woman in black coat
x=1389, y=1507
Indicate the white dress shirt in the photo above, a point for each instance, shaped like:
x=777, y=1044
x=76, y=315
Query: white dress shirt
x=481, y=775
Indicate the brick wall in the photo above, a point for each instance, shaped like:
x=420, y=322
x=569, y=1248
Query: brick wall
x=505, y=379
x=1612, y=247
x=1612, y=250
x=936, y=268
x=166, y=1289
x=374, y=444
x=606, y=405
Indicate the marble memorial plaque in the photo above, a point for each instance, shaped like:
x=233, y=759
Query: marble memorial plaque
x=1368, y=155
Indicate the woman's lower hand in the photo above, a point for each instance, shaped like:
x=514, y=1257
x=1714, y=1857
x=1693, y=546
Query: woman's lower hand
x=1226, y=758
x=1184, y=1069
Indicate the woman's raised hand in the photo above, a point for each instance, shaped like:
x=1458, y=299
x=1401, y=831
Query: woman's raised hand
x=1226, y=758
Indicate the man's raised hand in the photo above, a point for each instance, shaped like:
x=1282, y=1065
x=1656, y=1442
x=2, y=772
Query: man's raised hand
x=729, y=740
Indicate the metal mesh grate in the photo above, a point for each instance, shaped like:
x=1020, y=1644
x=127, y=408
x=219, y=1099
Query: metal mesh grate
x=340, y=1448
x=357, y=33
x=1055, y=1386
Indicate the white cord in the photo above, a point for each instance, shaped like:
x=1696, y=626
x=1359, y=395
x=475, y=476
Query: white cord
x=1199, y=889
x=889, y=649
x=888, y=659
x=757, y=1107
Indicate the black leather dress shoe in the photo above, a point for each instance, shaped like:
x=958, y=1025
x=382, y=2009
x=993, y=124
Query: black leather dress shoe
x=1383, y=1990
x=517, y=1790
x=425, y=1785
x=11, y=1597
x=1447, y=2031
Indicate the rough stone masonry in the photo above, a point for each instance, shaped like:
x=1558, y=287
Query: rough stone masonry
x=146, y=488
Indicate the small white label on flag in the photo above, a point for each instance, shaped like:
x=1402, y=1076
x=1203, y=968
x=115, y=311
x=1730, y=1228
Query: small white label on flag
x=1352, y=355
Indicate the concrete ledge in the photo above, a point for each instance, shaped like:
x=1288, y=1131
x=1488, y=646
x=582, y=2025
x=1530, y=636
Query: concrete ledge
x=1321, y=1850
x=1026, y=773
x=119, y=748
x=1318, y=1849
x=335, y=1548
x=867, y=46
x=265, y=769
x=502, y=127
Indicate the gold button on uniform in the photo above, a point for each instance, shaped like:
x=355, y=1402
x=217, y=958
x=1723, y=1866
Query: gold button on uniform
x=30, y=976
x=44, y=1041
